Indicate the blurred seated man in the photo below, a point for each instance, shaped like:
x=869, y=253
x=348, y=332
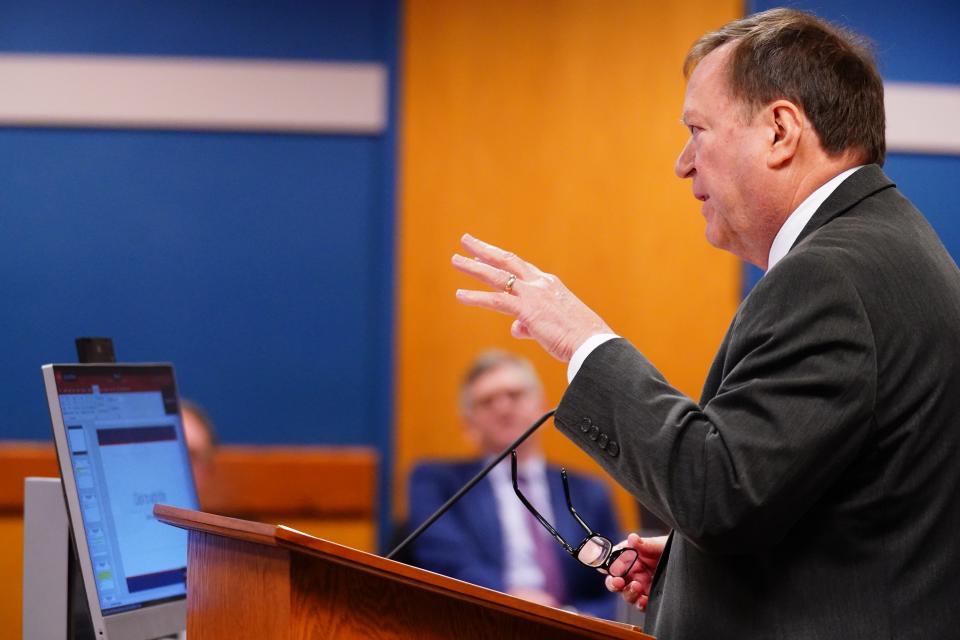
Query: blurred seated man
x=201, y=438
x=489, y=538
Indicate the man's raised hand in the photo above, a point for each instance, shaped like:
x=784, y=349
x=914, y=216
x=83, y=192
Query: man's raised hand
x=543, y=308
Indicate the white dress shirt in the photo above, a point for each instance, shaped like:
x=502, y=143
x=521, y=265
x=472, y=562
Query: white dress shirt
x=786, y=236
x=520, y=566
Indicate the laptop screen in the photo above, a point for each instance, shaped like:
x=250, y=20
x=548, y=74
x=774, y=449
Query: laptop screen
x=127, y=452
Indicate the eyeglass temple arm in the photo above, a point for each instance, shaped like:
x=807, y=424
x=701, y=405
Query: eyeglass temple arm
x=477, y=478
x=573, y=512
x=532, y=509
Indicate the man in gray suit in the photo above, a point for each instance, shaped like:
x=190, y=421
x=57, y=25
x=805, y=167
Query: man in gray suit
x=814, y=490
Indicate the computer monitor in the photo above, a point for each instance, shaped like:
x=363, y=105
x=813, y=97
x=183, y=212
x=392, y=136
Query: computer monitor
x=120, y=446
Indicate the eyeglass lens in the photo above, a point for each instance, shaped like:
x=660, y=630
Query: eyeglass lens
x=598, y=552
x=623, y=561
x=594, y=551
x=513, y=396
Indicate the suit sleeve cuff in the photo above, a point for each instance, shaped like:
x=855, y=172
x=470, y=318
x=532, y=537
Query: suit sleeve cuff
x=584, y=350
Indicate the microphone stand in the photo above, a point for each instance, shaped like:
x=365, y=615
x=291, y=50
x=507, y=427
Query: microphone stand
x=477, y=478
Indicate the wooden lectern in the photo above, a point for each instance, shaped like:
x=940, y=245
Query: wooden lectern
x=252, y=580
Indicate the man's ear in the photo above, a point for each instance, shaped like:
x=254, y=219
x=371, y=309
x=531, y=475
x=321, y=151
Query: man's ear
x=787, y=123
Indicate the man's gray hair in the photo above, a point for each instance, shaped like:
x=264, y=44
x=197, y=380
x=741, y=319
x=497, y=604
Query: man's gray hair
x=488, y=361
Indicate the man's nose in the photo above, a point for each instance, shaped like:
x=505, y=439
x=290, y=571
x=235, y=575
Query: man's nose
x=684, y=165
x=502, y=402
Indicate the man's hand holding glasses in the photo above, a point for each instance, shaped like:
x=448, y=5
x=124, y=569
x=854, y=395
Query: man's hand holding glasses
x=635, y=585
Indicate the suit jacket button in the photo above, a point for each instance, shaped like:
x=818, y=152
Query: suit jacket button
x=613, y=449
x=594, y=432
x=585, y=425
x=602, y=440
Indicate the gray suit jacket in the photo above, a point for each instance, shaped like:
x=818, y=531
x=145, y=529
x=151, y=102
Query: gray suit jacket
x=814, y=491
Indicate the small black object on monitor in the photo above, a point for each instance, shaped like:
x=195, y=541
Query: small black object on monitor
x=91, y=350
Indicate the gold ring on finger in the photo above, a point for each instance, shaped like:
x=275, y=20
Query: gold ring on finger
x=509, y=286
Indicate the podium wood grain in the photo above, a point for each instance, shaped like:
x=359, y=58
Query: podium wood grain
x=248, y=579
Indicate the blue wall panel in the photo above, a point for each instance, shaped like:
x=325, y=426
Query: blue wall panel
x=914, y=42
x=246, y=260
x=260, y=264
x=317, y=29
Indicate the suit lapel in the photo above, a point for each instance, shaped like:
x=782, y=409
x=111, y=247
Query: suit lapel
x=862, y=184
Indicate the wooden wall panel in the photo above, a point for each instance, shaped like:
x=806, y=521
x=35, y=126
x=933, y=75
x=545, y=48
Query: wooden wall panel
x=549, y=128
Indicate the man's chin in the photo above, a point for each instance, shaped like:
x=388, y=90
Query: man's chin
x=715, y=238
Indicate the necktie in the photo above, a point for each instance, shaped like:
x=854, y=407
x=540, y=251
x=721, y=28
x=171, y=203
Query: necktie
x=543, y=549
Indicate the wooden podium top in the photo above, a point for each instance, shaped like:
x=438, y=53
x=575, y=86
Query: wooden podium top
x=411, y=577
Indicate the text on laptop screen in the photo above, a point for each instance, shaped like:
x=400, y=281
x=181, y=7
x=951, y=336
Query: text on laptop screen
x=128, y=453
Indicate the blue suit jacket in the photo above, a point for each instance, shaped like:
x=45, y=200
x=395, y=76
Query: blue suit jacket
x=466, y=542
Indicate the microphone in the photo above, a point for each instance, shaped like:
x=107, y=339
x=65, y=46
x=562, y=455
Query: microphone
x=477, y=478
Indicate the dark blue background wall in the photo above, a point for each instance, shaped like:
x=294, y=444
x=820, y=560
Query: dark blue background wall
x=260, y=265
x=914, y=42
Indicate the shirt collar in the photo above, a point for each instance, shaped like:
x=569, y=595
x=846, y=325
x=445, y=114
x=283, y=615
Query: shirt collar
x=797, y=220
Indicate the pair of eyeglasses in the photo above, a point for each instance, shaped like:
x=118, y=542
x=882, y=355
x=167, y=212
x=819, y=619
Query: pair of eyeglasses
x=485, y=403
x=594, y=550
